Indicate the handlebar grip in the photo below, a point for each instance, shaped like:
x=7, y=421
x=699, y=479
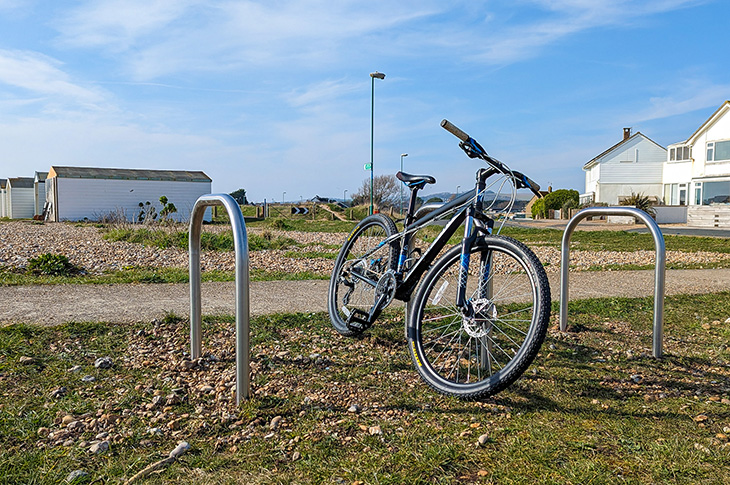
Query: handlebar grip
x=534, y=185
x=454, y=130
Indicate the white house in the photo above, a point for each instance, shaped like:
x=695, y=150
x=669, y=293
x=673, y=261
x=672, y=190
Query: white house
x=697, y=172
x=39, y=191
x=632, y=166
x=3, y=198
x=77, y=193
x=19, y=198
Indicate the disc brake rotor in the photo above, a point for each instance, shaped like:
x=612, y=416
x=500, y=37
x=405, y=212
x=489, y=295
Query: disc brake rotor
x=481, y=324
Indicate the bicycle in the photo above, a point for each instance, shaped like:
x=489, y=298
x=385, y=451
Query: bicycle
x=481, y=311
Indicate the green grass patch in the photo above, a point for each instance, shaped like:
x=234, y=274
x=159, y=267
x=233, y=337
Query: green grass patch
x=616, y=240
x=594, y=407
x=209, y=241
x=147, y=275
x=305, y=225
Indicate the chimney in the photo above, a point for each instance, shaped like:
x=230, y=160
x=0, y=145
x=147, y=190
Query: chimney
x=627, y=133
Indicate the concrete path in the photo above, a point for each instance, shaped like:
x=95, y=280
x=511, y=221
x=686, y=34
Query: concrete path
x=52, y=305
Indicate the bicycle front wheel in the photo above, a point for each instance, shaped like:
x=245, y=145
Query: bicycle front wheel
x=360, y=266
x=478, y=354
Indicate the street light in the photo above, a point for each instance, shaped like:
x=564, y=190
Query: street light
x=457, y=191
x=401, y=185
x=344, y=197
x=373, y=75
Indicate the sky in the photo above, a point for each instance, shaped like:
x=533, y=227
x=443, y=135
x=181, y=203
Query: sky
x=275, y=96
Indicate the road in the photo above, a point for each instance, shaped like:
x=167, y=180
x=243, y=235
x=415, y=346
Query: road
x=53, y=305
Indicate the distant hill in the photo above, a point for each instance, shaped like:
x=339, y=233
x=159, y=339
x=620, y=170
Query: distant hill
x=521, y=199
x=522, y=195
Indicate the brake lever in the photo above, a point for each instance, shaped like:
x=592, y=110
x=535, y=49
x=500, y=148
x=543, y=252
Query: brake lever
x=472, y=148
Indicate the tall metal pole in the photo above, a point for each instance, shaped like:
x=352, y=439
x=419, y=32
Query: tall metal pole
x=373, y=75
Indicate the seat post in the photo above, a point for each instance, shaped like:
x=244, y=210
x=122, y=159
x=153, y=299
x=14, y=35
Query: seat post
x=411, y=206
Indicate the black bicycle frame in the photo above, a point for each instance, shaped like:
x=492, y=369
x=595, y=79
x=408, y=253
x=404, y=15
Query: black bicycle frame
x=409, y=282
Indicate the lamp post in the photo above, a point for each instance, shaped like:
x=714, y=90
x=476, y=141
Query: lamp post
x=401, y=185
x=373, y=75
x=344, y=197
x=457, y=191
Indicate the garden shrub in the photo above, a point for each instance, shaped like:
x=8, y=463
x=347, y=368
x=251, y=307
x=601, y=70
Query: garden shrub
x=52, y=265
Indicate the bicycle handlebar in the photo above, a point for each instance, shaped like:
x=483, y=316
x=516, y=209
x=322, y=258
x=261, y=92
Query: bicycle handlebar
x=454, y=130
x=473, y=149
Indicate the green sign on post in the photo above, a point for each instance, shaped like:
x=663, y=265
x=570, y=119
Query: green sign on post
x=368, y=166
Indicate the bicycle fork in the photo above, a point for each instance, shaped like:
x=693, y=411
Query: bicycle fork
x=478, y=320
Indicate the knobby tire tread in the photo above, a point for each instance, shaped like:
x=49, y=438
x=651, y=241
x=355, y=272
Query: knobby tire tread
x=532, y=347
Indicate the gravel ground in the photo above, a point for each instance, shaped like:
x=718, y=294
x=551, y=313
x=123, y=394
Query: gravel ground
x=84, y=246
x=53, y=305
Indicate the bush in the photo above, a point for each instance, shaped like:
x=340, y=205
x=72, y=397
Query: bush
x=281, y=224
x=52, y=265
x=554, y=201
x=538, y=209
x=641, y=202
x=359, y=212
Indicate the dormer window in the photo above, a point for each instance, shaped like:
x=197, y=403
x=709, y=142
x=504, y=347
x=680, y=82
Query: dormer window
x=679, y=153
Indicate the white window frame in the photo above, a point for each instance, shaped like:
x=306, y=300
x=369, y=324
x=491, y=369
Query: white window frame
x=675, y=151
x=711, y=148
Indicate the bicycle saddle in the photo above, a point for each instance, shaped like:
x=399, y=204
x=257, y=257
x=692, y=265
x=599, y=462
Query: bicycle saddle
x=419, y=181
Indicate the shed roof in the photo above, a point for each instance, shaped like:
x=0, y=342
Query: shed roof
x=128, y=174
x=21, y=182
x=41, y=176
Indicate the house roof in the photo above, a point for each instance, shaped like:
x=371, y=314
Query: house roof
x=710, y=121
x=21, y=182
x=595, y=160
x=128, y=174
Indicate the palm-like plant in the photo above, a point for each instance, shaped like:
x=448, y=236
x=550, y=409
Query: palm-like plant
x=641, y=202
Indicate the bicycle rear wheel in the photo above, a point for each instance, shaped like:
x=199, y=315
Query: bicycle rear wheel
x=477, y=355
x=354, y=278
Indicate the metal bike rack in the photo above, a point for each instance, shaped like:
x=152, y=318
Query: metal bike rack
x=240, y=242
x=659, y=273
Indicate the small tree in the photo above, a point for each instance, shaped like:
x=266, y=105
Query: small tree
x=239, y=196
x=386, y=192
x=147, y=213
x=167, y=209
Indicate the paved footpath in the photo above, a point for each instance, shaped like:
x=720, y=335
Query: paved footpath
x=52, y=305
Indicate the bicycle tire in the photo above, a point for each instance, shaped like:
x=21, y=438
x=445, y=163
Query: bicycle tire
x=351, y=292
x=472, y=358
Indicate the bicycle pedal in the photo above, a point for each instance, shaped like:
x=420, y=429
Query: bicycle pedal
x=358, y=321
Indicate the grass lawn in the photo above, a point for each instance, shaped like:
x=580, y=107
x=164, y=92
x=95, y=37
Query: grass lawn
x=594, y=407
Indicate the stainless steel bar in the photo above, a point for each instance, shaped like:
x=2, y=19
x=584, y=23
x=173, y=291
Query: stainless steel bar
x=240, y=243
x=659, y=271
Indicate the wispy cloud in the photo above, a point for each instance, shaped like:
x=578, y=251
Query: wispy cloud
x=12, y=4
x=522, y=40
x=319, y=93
x=41, y=74
x=160, y=37
x=686, y=97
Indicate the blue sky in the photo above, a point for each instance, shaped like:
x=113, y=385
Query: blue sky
x=274, y=96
